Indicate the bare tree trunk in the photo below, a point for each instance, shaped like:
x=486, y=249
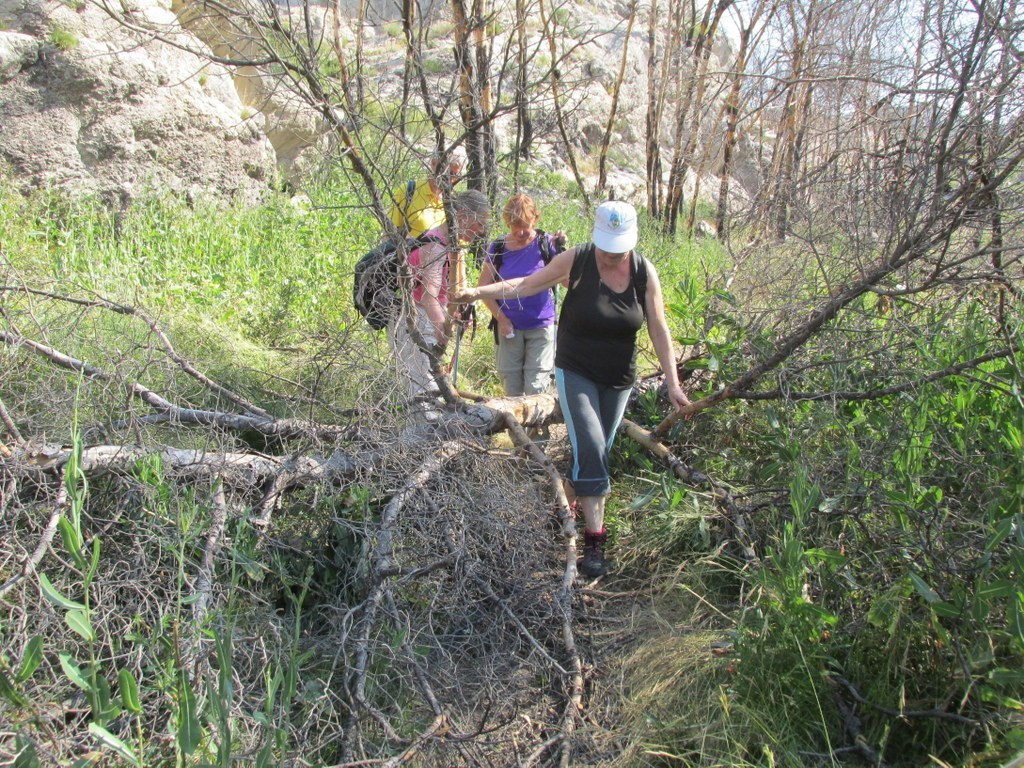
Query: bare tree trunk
x=652, y=127
x=345, y=76
x=524, y=123
x=688, y=101
x=602, y=169
x=549, y=32
x=482, y=43
x=360, y=88
x=732, y=116
x=470, y=108
x=408, y=30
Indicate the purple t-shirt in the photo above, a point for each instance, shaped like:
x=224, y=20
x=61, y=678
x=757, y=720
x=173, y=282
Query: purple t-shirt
x=531, y=312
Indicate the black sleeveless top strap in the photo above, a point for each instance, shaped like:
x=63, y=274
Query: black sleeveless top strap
x=597, y=327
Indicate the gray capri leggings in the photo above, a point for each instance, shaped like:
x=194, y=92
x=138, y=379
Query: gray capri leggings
x=592, y=415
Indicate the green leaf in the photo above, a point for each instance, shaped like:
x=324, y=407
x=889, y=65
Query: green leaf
x=26, y=754
x=72, y=541
x=1005, y=676
x=51, y=594
x=994, y=589
x=80, y=623
x=9, y=692
x=190, y=730
x=109, y=740
x=946, y=609
x=265, y=758
x=129, y=691
x=1015, y=616
x=95, y=563
x=830, y=556
x=31, y=660
x=923, y=589
x=74, y=672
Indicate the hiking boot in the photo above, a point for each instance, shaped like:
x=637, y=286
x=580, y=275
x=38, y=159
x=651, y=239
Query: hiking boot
x=593, y=563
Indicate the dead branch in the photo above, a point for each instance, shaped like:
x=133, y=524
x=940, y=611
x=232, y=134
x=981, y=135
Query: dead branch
x=271, y=427
x=690, y=476
x=503, y=605
x=901, y=713
x=154, y=327
x=278, y=483
x=203, y=589
x=563, y=598
x=60, y=504
x=936, y=230
x=382, y=564
x=89, y=371
x=50, y=459
x=877, y=394
x=9, y=424
x=527, y=411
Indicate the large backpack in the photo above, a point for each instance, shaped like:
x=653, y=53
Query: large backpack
x=497, y=250
x=375, y=288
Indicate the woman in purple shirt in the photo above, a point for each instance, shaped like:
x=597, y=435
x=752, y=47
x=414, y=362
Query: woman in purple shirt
x=525, y=326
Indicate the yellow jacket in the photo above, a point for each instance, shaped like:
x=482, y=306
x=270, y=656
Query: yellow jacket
x=417, y=213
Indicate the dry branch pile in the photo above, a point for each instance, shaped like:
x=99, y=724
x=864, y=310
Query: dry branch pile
x=368, y=588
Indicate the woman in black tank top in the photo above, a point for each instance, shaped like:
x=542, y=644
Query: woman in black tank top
x=612, y=290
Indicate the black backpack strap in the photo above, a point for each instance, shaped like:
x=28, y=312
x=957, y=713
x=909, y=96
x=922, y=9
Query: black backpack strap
x=425, y=238
x=497, y=251
x=545, y=247
x=640, y=280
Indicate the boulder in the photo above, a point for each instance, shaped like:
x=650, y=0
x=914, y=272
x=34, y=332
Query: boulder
x=85, y=106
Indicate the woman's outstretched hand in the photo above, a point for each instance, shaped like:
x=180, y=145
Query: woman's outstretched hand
x=463, y=296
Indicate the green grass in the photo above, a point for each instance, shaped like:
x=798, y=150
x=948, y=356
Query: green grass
x=63, y=39
x=888, y=531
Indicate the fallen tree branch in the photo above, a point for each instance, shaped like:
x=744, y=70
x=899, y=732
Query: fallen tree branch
x=875, y=394
x=60, y=503
x=9, y=424
x=382, y=565
x=690, y=476
x=278, y=483
x=563, y=598
x=171, y=413
x=182, y=363
x=122, y=458
x=932, y=231
x=523, y=630
x=203, y=589
x=901, y=713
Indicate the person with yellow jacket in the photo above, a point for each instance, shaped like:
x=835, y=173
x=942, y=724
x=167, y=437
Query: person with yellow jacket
x=418, y=206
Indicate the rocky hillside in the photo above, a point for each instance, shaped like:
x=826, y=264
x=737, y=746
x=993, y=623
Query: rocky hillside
x=89, y=104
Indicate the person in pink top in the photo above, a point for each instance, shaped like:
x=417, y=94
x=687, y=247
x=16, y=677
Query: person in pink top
x=431, y=267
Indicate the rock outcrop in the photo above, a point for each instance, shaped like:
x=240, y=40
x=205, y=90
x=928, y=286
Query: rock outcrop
x=85, y=104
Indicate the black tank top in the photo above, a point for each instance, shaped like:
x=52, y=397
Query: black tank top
x=597, y=327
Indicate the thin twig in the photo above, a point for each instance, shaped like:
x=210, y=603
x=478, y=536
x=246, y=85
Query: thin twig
x=8, y=422
x=59, y=505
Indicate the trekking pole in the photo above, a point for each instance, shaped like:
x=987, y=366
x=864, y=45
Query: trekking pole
x=459, y=284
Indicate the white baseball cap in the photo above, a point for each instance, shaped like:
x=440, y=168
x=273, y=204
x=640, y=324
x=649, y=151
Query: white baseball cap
x=615, y=229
